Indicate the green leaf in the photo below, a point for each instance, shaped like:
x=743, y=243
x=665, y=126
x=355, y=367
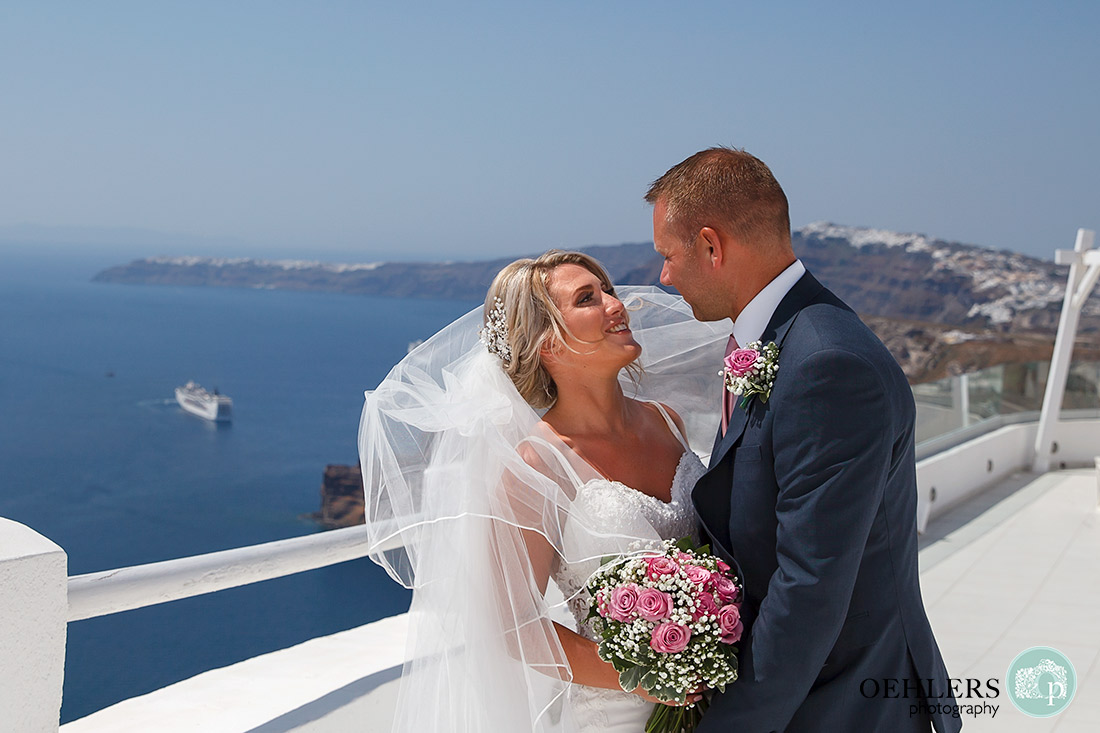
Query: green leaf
x=668, y=694
x=630, y=679
x=622, y=666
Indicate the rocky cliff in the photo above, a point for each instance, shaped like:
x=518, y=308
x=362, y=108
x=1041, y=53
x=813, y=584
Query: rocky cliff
x=341, y=497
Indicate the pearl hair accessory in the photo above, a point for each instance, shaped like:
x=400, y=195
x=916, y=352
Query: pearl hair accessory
x=495, y=333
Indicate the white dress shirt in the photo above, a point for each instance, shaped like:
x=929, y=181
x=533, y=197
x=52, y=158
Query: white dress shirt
x=752, y=321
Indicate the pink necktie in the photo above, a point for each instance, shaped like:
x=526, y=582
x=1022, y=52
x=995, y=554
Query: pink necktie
x=728, y=398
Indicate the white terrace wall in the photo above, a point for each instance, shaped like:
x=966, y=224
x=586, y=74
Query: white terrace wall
x=953, y=475
x=33, y=608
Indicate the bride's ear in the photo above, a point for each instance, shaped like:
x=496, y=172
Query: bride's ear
x=548, y=351
x=552, y=350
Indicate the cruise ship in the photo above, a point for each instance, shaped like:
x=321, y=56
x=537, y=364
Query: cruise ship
x=1008, y=473
x=208, y=405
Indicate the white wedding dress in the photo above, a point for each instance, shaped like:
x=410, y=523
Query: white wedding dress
x=615, y=506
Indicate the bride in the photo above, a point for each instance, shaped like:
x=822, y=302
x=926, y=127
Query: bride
x=503, y=460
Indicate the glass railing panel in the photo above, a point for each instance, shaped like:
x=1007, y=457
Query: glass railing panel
x=954, y=403
x=939, y=409
x=1081, y=387
x=1022, y=387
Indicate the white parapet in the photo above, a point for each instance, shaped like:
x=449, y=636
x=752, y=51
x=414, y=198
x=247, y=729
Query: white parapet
x=951, y=476
x=332, y=684
x=33, y=607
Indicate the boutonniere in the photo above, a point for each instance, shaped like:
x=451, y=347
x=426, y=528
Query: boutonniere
x=750, y=372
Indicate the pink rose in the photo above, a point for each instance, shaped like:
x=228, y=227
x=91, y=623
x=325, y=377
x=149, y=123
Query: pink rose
x=729, y=624
x=724, y=587
x=741, y=361
x=696, y=574
x=722, y=567
x=654, y=605
x=705, y=605
x=621, y=605
x=670, y=638
x=660, y=566
x=683, y=557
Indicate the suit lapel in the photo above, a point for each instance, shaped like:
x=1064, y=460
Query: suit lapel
x=722, y=443
x=785, y=314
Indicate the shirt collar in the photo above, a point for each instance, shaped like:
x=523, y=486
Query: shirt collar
x=753, y=319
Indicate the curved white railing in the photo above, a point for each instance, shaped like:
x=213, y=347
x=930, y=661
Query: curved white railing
x=123, y=589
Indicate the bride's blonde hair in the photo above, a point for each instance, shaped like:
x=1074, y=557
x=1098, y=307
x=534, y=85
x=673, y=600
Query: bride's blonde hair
x=531, y=319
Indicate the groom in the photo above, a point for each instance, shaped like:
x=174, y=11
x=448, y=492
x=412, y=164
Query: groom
x=812, y=491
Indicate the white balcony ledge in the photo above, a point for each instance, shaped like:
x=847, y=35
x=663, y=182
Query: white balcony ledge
x=340, y=682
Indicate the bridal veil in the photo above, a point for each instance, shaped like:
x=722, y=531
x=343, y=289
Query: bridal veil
x=460, y=483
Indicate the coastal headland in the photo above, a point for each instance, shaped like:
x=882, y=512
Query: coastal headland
x=943, y=308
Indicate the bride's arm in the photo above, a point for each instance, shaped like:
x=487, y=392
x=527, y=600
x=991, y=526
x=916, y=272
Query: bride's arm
x=584, y=662
x=585, y=665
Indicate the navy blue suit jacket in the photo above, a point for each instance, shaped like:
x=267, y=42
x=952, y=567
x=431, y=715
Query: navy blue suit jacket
x=813, y=495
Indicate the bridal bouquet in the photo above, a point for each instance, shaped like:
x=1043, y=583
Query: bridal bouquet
x=668, y=621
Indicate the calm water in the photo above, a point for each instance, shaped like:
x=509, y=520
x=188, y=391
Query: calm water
x=96, y=456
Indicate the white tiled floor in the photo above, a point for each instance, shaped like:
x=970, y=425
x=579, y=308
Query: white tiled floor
x=1017, y=567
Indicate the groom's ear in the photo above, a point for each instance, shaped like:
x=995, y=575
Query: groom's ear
x=710, y=244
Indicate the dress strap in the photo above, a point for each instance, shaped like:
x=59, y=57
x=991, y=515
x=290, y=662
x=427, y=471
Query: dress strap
x=672, y=426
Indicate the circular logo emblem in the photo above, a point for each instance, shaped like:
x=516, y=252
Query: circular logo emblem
x=1041, y=682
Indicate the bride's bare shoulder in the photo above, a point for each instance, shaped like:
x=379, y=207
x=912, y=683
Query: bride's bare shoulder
x=655, y=409
x=543, y=441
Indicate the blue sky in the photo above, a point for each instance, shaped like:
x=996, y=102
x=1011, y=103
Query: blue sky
x=359, y=130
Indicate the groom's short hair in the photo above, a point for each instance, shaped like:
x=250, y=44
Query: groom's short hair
x=723, y=187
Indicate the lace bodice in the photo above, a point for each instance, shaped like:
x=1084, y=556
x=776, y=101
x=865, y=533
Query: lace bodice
x=610, y=504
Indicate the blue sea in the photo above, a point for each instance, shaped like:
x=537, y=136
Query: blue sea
x=96, y=455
